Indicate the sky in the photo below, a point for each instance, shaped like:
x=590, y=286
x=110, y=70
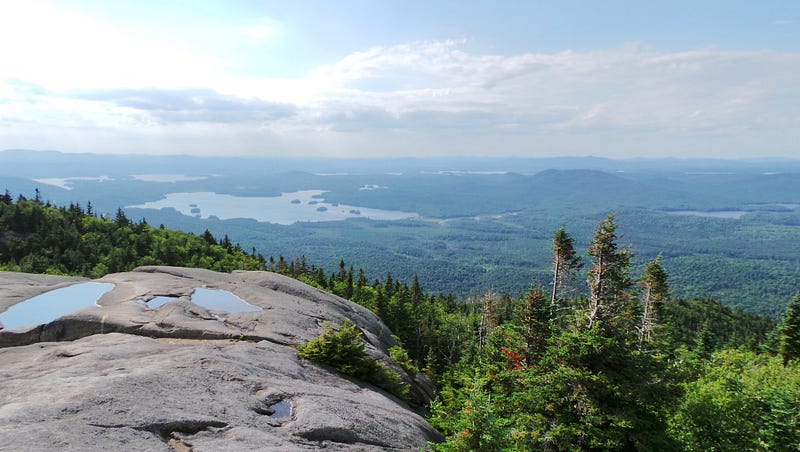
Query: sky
x=386, y=78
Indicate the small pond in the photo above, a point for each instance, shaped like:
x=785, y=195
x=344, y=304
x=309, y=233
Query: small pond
x=46, y=307
x=221, y=300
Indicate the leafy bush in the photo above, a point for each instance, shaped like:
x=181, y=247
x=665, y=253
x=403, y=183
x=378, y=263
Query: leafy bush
x=400, y=356
x=743, y=401
x=344, y=351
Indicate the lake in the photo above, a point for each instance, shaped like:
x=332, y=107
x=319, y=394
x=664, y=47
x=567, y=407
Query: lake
x=167, y=178
x=66, y=182
x=288, y=208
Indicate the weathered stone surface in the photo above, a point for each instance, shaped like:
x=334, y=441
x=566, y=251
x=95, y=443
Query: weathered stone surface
x=293, y=312
x=179, y=377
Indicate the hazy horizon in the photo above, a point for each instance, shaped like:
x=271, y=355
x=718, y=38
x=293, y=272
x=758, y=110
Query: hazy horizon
x=423, y=158
x=358, y=79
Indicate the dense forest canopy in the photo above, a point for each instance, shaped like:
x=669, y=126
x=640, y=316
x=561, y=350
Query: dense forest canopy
x=617, y=365
x=36, y=237
x=727, y=228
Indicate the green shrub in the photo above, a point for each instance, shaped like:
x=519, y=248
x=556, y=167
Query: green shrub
x=400, y=356
x=344, y=350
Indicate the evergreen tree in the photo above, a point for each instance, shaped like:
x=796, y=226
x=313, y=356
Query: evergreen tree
x=609, y=278
x=362, y=279
x=226, y=243
x=348, y=287
x=566, y=264
x=283, y=267
x=416, y=293
x=790, y=332
x=209, y=238
x=120, y=218
x=488, y=317
x=534, y=319
x=655, y=293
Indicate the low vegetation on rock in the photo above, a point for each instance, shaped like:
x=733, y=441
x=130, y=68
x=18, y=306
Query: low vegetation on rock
x=345, y=351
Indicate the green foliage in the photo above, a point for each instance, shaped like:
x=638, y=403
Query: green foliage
x=583, y=385
x=790, y=332
x=513, y=375
x=534, y=316
x=721, y=326
x=400, y=356
x=344, y=350
x=40, y=238
x=609, y=280
x=566, y=263
x=743, y=401
x=655, y=292
x=480, y=425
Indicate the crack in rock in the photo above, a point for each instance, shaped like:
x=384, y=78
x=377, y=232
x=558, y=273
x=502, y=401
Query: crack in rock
x=338, y=435
x=166, y=430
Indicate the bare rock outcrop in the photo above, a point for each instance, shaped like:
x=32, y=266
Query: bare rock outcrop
x=122, y=376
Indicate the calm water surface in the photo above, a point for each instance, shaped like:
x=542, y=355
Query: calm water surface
x=221, y=300
x=46, y=307
x=157, y=302
x=288, y=208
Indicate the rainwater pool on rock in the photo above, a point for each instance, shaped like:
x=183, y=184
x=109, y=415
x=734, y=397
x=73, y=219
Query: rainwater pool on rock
x=221, y=300
x=157, y=302
x=281, y=410
x=46, y=307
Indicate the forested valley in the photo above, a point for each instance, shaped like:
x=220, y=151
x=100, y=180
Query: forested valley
x=610, y=363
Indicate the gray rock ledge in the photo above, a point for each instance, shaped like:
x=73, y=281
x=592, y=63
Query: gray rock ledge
x=182, y=377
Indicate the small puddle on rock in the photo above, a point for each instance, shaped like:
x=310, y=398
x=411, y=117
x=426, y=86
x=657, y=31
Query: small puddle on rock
x=281, y=410
x=221, y=300
x=157, y=302
x=46, y=307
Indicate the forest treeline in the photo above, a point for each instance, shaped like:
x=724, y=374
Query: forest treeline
x=625, y=367
x=617, y=365
x=36, y=237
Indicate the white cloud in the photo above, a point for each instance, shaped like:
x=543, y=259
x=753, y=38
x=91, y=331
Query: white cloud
x=418, y=98
x=264, y=30
x=59, y=49
x=619, y=88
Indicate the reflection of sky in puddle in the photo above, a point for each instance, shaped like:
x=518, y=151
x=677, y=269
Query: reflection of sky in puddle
x=46, y=307
x=157, y=302
x=282, y=409
x=288, y=208
x=221, y=300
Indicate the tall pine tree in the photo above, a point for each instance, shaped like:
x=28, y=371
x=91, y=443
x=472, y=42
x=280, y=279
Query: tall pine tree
x=655, y=292
x=790, y=332
x=566, y=264
x=609, y=278
x=533, y=316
